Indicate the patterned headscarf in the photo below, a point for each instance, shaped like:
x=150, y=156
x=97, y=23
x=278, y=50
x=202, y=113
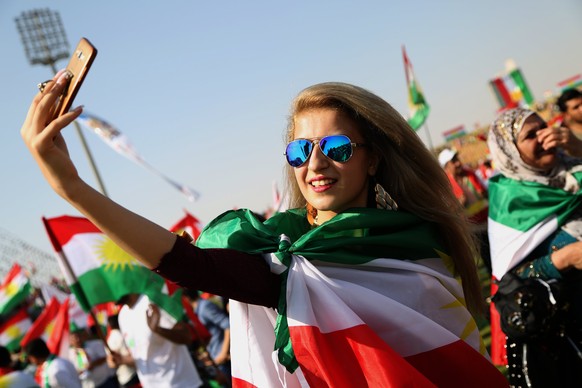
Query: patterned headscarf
x=502, y=141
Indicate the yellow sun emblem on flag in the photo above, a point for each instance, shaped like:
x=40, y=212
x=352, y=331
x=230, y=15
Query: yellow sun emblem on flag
x=112, y=256
x=14, y=332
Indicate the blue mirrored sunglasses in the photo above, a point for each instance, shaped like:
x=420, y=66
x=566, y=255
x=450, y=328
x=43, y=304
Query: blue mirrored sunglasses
x=338, y=148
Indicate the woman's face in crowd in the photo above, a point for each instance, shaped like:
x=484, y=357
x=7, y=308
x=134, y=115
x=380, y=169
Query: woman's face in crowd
x=332, y=187
x=530, y=149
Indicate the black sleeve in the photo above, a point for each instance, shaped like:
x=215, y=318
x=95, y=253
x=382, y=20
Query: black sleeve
x=225, y=272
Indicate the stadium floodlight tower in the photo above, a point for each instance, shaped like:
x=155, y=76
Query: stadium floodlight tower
x=45, y=42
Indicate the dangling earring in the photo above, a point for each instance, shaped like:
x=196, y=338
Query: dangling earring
x=383, y=199
x=311, y=215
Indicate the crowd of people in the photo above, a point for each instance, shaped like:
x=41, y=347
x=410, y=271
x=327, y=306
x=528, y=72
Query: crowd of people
x=141, y=345
x=374, y=260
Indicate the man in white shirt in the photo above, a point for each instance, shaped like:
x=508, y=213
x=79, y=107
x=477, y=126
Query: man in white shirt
x=157, y=345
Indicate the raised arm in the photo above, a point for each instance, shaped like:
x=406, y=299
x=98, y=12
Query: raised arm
x=143, y=239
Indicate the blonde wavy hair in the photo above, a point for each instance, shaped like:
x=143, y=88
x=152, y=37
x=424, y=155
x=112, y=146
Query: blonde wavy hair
x=407, y=170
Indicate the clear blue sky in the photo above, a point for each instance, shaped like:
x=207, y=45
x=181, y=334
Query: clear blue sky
x=202, y=89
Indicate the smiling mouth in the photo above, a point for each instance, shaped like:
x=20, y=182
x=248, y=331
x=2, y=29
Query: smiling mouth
x=322, y=182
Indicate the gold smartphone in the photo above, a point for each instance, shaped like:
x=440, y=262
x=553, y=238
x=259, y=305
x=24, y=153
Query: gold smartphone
x=78, y=67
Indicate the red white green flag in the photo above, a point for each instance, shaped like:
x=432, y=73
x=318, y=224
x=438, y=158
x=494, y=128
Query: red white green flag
x=418, y=106
x=573, y=82
x=44, y=324
x=58, y=341
x=12, y=331
x=52, y=325
x=188, y=224
x=14, y=289
x=511, y=90
x=98, y=270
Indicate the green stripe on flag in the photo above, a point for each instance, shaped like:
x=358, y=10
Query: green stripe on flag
x=419, y=117
x=349, y=238
x=522, y=205
x=108, y=284
x=521, y=84
x=13, y=298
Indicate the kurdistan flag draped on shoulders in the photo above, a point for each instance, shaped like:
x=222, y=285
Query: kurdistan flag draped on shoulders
x=522, y=216
x=368, y=300
x=101, y=271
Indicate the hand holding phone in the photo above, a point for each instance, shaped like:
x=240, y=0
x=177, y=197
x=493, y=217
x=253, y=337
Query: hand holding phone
x=79, y=64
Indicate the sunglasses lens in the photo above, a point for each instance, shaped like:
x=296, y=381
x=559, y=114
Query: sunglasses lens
x=298, y=151
x=336, y=147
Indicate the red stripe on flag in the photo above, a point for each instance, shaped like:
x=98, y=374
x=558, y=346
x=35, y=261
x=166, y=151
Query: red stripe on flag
x=458, y=365
x=62, y=229
x=357, y=357
x=407, y=65
x=456, y=129
x=502, y=90
x=189, y=221
x=15, y=270
x=570, y=80
x=238, y=383
x=498, y=351
x=19, y=316
x=40, y=324
x=353, y=357
x=60, y=329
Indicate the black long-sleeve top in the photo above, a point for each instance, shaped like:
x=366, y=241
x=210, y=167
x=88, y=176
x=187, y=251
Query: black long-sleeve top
x=225, y=272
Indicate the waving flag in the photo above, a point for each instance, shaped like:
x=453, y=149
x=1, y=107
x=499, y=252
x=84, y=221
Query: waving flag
x=101, y=271
x=419, y=109
x=58, y=340
x=52, y=325
x=120, y=143
x=188, y=224
x=511, y=90
x=12, y=331
x=454, y=133
x=44, y=324
x=14, y=289
x=573, y=82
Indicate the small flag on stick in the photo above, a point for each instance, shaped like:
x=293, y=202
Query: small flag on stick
x=419, y=109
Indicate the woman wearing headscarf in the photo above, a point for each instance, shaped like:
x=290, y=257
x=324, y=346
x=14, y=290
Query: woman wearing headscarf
x=535, y=228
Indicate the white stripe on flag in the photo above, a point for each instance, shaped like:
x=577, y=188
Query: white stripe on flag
x=395, y=285
x=254, y=360
x=510, y=246
x=82, y=251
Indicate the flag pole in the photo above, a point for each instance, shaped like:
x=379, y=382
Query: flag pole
x=69, y=271
x=430, y=146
